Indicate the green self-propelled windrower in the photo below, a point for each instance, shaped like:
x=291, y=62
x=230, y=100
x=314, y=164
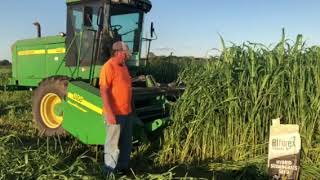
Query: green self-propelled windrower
x=64, y=71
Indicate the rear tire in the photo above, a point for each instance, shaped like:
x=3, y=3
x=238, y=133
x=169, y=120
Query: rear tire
x=46, y=105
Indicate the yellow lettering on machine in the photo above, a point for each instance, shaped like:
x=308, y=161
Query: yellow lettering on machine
x=31, y=52
x=56, y=51
x=79, y=99
x=76, y=106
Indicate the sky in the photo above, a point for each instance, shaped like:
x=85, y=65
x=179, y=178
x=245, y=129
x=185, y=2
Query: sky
x=184, y=28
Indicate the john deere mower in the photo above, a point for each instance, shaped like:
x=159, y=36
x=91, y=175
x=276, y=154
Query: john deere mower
x=63, y=71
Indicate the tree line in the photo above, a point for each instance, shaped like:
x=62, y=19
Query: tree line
x=5, y=62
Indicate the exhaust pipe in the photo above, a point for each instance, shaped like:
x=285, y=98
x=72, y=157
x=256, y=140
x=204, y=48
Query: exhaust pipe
x=38, y=26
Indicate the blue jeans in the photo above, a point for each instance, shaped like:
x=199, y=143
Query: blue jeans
x=117, y=148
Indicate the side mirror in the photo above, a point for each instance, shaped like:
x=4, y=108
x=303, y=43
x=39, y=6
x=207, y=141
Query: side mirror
x=152, y=30
x=100, y=17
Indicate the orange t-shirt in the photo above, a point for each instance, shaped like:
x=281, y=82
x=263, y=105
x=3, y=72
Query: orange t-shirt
x=118, y=79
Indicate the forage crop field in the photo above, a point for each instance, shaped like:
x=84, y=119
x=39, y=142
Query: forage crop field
x=220, y=126
x=223, y=117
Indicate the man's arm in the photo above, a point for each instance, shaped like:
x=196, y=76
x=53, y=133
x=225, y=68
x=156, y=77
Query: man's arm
x=109, y=114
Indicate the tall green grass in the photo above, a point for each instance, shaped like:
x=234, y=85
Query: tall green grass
x=226, y=110
x=166, y=69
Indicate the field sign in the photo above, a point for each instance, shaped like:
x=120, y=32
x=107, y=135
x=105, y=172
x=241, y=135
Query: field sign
x=284, y=151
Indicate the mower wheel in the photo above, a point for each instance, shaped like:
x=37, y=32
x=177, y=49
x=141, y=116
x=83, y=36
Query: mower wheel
x=47, y=105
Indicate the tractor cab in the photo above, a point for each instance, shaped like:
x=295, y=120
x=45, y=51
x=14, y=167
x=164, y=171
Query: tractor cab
x=93, y=26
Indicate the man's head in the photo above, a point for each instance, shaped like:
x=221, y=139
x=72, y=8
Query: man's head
x=121, y=51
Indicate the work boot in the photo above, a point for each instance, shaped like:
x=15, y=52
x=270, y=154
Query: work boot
x=108, y=172
x=123, y=172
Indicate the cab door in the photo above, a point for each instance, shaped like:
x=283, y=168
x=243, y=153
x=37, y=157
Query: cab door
x=82, y=29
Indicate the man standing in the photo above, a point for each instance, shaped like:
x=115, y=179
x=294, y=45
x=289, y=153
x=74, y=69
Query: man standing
x=116, y=93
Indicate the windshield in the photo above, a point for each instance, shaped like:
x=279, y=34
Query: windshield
x=128, y=26
x=123, y=23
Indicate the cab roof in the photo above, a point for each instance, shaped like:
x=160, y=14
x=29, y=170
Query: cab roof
x=145, y=4
x=112, y=1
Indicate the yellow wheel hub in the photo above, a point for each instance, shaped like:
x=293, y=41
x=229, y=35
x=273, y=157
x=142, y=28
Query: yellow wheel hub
x=49, y=115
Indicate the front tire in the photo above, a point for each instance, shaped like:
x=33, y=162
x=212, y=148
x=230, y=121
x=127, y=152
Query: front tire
x=47, y=105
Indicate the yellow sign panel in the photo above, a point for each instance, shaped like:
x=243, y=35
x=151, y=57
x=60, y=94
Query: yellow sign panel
x=31, y=52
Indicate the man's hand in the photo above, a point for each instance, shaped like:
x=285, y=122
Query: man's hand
x=142, y=77
x=110, y=119
x=139, y=78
